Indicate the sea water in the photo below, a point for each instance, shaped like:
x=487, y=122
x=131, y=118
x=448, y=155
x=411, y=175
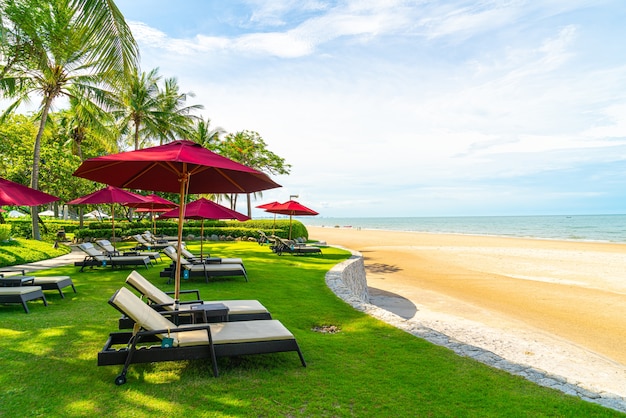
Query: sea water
x=602, y=228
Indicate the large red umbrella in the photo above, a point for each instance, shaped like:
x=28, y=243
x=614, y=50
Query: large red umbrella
x=205, y=209
x=180, y=166
x=291, y=208
x=153, y=203
x=109, y=194
x=15, y=194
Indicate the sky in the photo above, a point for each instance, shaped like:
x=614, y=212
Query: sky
x=411, y=108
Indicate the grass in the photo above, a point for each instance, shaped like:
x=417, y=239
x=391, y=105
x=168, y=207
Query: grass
x=20, y=251
x=367, y=369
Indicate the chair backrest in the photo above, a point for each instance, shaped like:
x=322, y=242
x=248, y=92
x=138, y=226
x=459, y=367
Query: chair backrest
x=129, y=304
x=188, y=254
x=171, y=253
x=106, y=245
x=140, y=239
x=149, y=290
x=88, y=248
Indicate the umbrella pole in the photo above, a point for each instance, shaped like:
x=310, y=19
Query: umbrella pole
x=113, y=222
x=181, y=215
x=201, y=239
x=290, y=226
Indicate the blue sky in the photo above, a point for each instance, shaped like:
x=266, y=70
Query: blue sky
x=411, y=108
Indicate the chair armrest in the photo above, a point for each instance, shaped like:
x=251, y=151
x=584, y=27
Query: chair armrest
x=23, y=273
x=196, y=291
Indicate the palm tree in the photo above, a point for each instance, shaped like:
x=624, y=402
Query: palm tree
x=206, y=136
x=136, y=106
x=175, y=120
x=145, y=111
x=86, y=120
x=49, y=45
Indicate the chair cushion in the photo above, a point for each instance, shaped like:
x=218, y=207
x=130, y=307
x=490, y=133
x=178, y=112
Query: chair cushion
x=140, y=312
x=51, y=279
x=18, y=290
x=146, y=288
x=236, y=332
x=236, y=307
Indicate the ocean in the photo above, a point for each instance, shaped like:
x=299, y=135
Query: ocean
x=600, y=228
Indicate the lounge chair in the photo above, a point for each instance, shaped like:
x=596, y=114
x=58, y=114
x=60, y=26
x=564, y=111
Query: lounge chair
x=95, y=257
x=187, y=342
x=109, y=249
x=203, y=269
x=293, y=247
x=143, y=244
x=21, y=294
x=54, y=283
x=47, y=282
x=148, y=236
x=194, y=259
x=238, y=310
x=264, y=239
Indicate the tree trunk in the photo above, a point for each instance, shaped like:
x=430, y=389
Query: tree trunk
x=34, y=179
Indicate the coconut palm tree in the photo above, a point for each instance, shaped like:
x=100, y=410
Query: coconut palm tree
x=135, y=106
x=49, y=45
x=175, y=119
x=206, y=136
x=145, y=111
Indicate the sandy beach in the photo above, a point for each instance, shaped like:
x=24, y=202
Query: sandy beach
x=559, y=306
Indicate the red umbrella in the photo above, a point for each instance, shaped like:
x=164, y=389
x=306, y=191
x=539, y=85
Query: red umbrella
x=291, y=208
x=15, y=194
x=180, y=166
x=205, y=209
x=153, y=203
x=268, y=206
x=109, y=194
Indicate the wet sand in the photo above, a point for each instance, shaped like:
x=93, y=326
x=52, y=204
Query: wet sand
x=553, y=304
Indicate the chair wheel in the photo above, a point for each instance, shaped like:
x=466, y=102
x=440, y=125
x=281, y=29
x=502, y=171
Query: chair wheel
x=120, y=380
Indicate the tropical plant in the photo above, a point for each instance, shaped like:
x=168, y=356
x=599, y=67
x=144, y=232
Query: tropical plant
x=49, y=45
x=206, y=136
x=146, y=112
x=249, y=148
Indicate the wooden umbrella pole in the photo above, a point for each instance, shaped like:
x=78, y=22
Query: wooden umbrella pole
x=113, y=222
x=201, y=239
x=181, y=214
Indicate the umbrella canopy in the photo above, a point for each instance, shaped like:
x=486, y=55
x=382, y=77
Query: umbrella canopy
x=291, y=208
x=180, y=166
x=15, y=194
x=267, y=206
x=109, y=194
x=205, y=209
x=153, y=203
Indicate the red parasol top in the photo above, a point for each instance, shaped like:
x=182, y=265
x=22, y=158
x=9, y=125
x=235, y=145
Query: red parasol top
x=206, y=209
x=15, y=194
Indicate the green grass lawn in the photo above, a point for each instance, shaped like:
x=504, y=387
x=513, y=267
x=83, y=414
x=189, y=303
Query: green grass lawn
x=368, y=369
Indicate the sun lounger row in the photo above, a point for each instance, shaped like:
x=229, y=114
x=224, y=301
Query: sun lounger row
x=156, y=338
x=34, y=290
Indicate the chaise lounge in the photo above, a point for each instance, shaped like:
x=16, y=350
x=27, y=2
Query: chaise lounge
x=187, y=342
x=95, y=257
x=238, y=310
x=203, y=269
x=21, y=294
x=289, y=246
x=109, y=249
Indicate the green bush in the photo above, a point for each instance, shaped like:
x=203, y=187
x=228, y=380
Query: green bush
x=235, y=229
x=5, y=232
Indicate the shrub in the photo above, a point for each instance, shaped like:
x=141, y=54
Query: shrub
x=5, y=232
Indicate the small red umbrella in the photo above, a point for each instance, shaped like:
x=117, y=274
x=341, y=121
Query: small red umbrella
x=291, y=208
x=268, y=206
x=205, y=209
x=153, y=203
x=15, y=194
x=183, y=167
x=109, y=194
